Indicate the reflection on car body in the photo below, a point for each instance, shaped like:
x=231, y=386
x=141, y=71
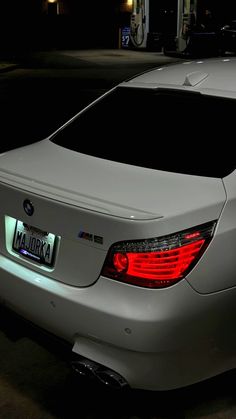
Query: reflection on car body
x=119, y=236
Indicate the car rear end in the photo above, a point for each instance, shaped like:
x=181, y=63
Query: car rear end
x=132, y=265
x=118, y=286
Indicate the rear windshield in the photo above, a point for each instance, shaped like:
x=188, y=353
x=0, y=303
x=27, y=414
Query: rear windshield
x=159, y=129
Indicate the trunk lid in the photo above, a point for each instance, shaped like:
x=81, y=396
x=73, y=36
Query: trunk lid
x=90, y=203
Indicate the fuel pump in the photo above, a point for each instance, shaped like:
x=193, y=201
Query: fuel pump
x=151, y=21
x=138, y=25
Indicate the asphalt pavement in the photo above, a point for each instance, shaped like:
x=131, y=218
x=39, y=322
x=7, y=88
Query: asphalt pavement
x=55, y=58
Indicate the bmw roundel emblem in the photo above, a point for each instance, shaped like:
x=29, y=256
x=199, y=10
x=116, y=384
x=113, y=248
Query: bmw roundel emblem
x=28, y=207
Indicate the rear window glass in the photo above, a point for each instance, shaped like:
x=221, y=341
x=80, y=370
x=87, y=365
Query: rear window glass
x=159, y=129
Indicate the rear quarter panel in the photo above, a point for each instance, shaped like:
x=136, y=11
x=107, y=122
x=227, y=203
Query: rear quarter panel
x=216, y=270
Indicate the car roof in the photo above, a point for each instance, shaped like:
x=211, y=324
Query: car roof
x=215, y=77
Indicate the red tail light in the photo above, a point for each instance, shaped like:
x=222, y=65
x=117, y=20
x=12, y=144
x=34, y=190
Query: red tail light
x=159, y=262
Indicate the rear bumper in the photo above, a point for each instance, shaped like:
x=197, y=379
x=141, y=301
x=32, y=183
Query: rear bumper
x=156, y=339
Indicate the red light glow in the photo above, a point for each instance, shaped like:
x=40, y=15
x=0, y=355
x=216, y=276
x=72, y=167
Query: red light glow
x=163, y=265
x=192, y=235
x=158, y=262
x=120, y=262
x=154, y=269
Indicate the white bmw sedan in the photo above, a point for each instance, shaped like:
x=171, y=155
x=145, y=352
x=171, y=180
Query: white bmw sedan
x=118, y=232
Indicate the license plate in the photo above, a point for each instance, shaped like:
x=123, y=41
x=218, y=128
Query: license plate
x=34, y=243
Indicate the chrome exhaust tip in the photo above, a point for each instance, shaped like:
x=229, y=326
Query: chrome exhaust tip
x=90, y=369
x=111, y=379
x=84, y=367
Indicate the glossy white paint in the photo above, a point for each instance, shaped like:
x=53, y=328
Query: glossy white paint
x=177, y=335
x=218, y=77
x=107, y=187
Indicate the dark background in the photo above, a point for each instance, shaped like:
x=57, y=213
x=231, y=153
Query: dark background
x=41, y=93
x=25, y=25
x=29, y=25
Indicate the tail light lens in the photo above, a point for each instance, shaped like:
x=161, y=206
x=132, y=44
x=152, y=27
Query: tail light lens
x=158, y=262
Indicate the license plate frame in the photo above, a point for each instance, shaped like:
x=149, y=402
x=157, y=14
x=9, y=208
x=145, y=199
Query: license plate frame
x=34, y=244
